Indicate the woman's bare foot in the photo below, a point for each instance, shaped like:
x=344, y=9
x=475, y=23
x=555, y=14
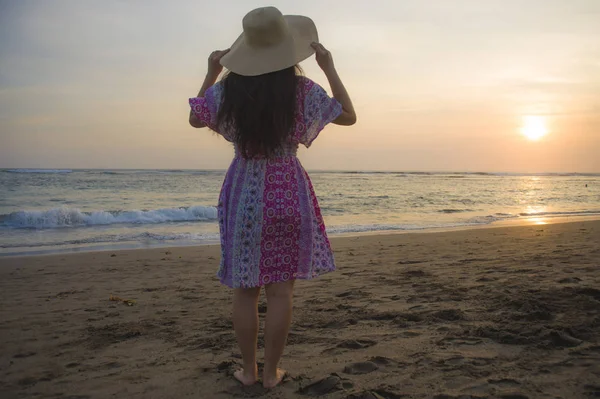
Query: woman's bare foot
x=245, y=378
x=272, y=381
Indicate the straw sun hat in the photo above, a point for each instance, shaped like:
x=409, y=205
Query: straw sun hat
x=270, y=42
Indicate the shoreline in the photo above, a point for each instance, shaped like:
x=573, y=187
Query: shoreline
x=526, y=221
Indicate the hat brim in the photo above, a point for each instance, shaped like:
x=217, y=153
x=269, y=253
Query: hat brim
x=295, y=48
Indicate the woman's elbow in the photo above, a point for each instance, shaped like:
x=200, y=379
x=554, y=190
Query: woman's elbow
x=351, y=119
x=346, y=119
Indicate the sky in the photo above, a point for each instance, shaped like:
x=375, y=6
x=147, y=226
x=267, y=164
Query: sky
x=438, y=85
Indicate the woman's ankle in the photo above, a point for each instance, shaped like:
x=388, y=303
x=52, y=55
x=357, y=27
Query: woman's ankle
x=274, y=379
x=269, y=371
x=250, y=369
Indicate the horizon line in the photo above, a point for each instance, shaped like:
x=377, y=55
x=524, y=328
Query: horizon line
x=315, y=170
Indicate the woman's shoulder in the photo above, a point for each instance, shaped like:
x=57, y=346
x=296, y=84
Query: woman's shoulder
x=305, y=81
x=217, y=87
x=308, y=86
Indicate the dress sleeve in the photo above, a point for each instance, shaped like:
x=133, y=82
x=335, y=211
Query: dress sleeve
x=206, y=108
x=319, y=110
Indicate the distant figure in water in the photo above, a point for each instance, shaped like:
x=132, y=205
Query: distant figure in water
x=586, y=185
x=272, y=232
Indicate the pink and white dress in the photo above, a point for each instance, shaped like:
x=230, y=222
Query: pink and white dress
x=269, y=218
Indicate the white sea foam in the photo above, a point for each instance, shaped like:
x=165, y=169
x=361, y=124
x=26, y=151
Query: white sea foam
x=73, y=217
x=366, y=228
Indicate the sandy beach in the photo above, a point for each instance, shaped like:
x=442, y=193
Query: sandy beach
x=502, y=312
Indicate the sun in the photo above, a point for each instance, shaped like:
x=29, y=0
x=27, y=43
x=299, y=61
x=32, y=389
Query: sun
x=534, y=127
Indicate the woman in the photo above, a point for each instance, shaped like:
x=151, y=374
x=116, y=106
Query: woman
x=272, y=232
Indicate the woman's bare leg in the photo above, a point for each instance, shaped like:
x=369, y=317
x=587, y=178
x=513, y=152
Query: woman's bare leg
x=277, y=326
x=245, y=323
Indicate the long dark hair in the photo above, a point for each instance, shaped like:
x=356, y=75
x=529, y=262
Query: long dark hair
x=259, y=111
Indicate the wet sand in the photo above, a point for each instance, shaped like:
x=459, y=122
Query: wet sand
x=508, y=312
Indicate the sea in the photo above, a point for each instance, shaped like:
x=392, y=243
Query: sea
x=50, y=211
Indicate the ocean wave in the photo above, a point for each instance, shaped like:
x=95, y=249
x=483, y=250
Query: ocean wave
x=488, y=219
x=38, y=170
x=73, y=217
x=455, y=210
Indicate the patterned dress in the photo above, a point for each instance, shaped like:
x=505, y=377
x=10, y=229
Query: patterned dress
x=269, y=218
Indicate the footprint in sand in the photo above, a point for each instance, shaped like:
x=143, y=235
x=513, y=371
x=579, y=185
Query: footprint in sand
x=352, y=344
x=562, y=339
x=409, y=334
x=383, y=361
x=227, y=367
x=459, y=341
x=376, y=394
x=360, y=368
x=592, y=390
x=593, y=292
x=449, y=315
x=27, y=381
x=369, y=366
x=322, y=386
x=363, y=395
x=501, y=396
x=109, y=366
x=23, y=355
x=353, y=294
x=31, y=381
x=569, y=280
x=453, y=361
x=237, y=390
x=372, y=395
x=412, y=262
x=505, y=382
x=415, y=273
x=356, y=344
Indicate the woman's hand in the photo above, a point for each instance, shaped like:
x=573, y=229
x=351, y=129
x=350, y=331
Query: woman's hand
x=214, y=63
x=325, y=61
x=323, y=57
